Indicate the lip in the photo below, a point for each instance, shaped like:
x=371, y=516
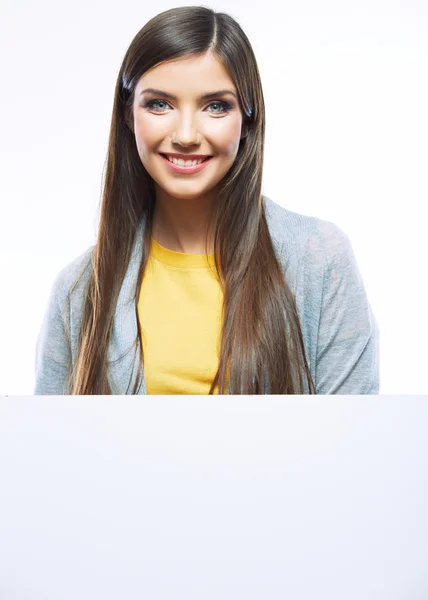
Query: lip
x=186, y=170
x=185, y=156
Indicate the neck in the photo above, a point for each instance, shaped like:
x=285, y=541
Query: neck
x=181, y=224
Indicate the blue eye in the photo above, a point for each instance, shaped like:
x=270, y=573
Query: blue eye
x=150, y=103
x=223, y=104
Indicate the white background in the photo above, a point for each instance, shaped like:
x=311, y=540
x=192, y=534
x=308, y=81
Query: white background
x=203, y=498
x=346, y=92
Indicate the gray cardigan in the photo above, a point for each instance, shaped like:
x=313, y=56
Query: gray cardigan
x=340, y=332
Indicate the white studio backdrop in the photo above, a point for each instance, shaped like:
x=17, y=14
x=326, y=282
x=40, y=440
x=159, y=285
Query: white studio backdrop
x=203, y=497
x=346, y=91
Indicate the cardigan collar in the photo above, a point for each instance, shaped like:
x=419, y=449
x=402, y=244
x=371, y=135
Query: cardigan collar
x=124, y=351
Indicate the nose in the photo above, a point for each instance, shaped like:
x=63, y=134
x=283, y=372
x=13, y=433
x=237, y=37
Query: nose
x=186, y=131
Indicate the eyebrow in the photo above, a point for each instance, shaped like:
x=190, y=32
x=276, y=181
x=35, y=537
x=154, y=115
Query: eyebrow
x=172, y=97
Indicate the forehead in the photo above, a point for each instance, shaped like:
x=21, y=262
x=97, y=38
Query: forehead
x=198, y=74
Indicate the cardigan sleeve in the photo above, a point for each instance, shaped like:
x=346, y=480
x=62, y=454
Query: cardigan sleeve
x=53, y=355
x=347, y=356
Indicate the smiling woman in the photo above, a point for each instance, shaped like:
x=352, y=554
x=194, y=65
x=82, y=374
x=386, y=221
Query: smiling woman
x=197, y=283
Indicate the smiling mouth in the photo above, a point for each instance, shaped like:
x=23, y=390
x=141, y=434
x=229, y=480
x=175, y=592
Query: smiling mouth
x=166, y=156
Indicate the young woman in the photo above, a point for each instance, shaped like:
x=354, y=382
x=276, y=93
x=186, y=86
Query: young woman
x=197, y=283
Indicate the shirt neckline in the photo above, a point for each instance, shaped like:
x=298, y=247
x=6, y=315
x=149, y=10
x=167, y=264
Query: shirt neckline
x=180, y=259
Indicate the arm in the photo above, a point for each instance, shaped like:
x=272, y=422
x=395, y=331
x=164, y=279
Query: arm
x=347, y=359
x=53, y=356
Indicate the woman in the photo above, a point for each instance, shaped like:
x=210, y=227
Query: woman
x=197, y=283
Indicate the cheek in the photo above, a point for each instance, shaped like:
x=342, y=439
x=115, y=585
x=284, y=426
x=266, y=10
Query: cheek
x=148, y=132
x=229, y=136
x=231, y=145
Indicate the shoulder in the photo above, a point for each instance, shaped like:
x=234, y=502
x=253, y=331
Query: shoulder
x=315, y=240
x=74, y=276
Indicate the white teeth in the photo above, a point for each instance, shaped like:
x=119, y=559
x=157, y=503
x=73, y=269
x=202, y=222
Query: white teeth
x=183, y=163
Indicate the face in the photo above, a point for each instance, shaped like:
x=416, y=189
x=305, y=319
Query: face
x=187, y=124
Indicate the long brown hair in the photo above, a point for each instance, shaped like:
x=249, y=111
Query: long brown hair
x=262, y=348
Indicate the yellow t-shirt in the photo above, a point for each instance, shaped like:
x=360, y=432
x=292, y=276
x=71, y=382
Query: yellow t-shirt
x=179, y=313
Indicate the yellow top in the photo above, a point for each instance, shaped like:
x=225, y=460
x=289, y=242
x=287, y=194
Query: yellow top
x=179, y=313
